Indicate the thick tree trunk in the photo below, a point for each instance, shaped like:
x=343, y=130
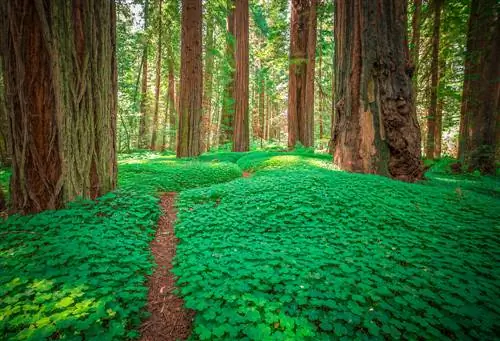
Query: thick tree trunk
x=431, y=117
x=415, y=48
x=142, y=141
x=374, y=130
x=154, y=131
x=190, y=106
x=172, y=103
x=479, y=129
x=5, y=150
x=438, y=127
x=306, y=120
x=226, y=124
x=207, y=98
x=299, y=27
x=241, y=136
x=60, y=76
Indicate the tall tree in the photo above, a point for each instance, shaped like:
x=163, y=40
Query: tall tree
x=142, y=142
x=415, y=47
x=191, y=88
x=208, y=83
x=301, y=73
x=226, y=124
x=480, y=112
x=154, y=132
x=172, y=110
x=375, y=130
x=432, y=115
x=241, y=124
x=60, y=77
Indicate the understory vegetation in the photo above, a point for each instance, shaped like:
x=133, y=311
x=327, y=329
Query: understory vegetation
x=296, y=251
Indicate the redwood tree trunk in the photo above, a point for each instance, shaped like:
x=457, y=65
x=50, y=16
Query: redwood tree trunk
x=226, y=124
x=154, y=132
x=172, y=103
x=481, y=95
x=60, y=77
x=432, y=115
x=207, y=98
x=301, y=73
x=141, y=140
x=306, y=124
x=190, y=105
x=415, y=47
x=241, y=138
x=374, y=130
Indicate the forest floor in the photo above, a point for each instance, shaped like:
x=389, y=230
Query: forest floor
x=272, y=246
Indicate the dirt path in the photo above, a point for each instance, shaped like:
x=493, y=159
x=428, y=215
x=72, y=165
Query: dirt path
x=169, y=319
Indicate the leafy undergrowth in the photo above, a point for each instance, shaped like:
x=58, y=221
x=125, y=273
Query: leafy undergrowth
x=166, y=173
x=77, y=273
x=441, y=175
x=80, y=272
x=297, y=251
x=306, y=253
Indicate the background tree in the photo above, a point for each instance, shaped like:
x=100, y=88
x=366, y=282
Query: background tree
x=226, y=125
x=159, y=29
x=301, y=74
x=432, y=117
x=241, y=123
x=190, y=103
x=480, y=112
x=62, y=111
x=375, y=131
x=142, y=140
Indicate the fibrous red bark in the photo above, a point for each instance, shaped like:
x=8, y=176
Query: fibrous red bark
x=480, y=112
x=241, y=137
x=375, y=130
x=60, y=77
x=191, y=87
x=301, y=73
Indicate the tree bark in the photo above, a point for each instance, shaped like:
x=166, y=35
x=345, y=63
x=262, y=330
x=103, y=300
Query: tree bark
x=172, y=103
x=306, y=124
x=431, y=117
x=415, y=48
x=479, y=129
x=226, y=124
x=241, y=138
x=5, y=150
x=154, y=131
x=142, y=141
x=61, y=86
x=190, y=106
x=438, y=131
x=301, y=73
x=207, y=98
x=374, y=130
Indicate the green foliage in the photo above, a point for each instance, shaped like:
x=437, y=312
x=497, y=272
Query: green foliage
x=298, y=251
x=306, y=253
x=79, y=272
x=167, y=174
x=272, y=160
x=442, y=175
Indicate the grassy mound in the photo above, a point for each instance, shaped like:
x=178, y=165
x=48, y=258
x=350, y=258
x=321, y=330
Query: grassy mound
x=256, y=161
x=165, y=173
x=314, y=254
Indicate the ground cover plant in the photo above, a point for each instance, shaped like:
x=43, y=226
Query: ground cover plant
x=80, y=272
x=77, y=273
x=296, y=251
x=313, y=254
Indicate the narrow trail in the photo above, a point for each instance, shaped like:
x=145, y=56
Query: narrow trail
x=169, y=319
